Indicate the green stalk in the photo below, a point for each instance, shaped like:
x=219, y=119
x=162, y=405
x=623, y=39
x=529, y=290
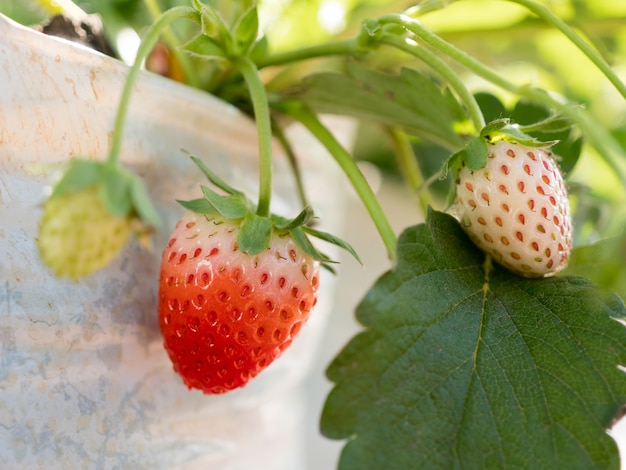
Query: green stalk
x=443, y=69
x=408, y=165
x=262, y=117
x=147, y=43
x=599, y=137
x=593, y=55
x=293, y=163
x=307, y=118
x=189, y=70
x=347, y=47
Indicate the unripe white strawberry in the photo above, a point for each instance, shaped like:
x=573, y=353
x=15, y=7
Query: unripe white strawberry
x=516, y=209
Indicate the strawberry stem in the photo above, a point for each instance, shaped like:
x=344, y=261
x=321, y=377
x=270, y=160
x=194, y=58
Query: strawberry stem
x=172, y=42
x=306, y=117
x=408, y=165
x=293, y=162
x=347, y=47
x=599, y=137
x=262, y=117
x=444, y=70
x=593, y=55
x=147, y=43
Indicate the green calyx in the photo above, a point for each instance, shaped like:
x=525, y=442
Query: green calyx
x=256, y=231
x=123, y=193
x=474, y=153
x=221, y=38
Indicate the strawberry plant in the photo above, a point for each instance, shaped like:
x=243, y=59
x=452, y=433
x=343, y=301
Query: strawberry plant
x=496, y=339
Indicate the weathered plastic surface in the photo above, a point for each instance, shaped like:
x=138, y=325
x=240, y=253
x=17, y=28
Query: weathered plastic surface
x=84, y=379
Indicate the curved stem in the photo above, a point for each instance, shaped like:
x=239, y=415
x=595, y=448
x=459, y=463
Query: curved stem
x=600, y=138
x=264, y=126
x=410, y=47
x=170, y=38
x=351, y=170
x=346, y=47
x=147, y=43
x=593, y=55
x=293, y=163
x=408, y=165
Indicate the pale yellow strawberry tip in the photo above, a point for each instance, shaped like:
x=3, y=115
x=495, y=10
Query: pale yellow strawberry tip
x=78, y=236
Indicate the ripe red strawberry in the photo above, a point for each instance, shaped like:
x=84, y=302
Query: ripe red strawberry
x=226, y=315
x=516, y=209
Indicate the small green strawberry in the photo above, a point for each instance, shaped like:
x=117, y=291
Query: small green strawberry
x=516, y=208
x=78, y=235
x=90, y=216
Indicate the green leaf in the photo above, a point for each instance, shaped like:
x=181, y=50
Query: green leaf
x=255, y=234
x=246, y=30
x=491, y=106
x=603, y=262
x=231, y=207
x=407, y=100
x=79, y=174
x=466, y=366
x=142, y=204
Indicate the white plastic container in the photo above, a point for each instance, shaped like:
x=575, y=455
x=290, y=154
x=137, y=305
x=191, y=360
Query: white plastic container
x=84, y=380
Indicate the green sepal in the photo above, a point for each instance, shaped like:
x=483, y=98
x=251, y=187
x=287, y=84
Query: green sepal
x=199, y=206
x=213, y=178
x=330, y=238
x=553, y=123
x=452, y=164
x=80, y=174
x=301, y=239
x=256, y=231
x=260, y=50
x=476, y=153
x=204, y=47
x=303, y=218
x=255, y=234
x=212, y=24
x=502, y=129
x=143, y=204
x=246, y=30
x=231, y=207
x=115, y=191
x=473, y=154
x=123, y=193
